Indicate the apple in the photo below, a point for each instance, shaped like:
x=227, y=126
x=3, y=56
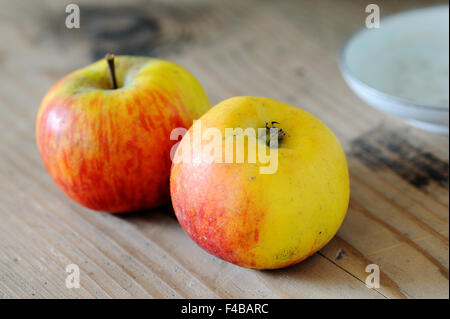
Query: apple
x=103, y=132
x=249, y=217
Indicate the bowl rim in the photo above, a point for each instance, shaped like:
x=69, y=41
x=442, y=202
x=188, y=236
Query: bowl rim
x=346, y=71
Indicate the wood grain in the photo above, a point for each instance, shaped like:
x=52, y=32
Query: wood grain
x=398, y=215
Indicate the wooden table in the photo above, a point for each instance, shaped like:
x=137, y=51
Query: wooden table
x=399, y=208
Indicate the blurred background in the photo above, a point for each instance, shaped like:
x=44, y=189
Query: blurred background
x=225, y=43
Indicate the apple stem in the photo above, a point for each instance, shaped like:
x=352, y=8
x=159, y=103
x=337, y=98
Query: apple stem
x=112, y=71
x=280, y=133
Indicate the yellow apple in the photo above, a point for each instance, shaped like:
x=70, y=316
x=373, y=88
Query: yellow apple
x=257, y=220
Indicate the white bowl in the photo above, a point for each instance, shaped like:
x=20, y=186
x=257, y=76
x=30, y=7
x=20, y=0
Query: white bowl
x=402, y=68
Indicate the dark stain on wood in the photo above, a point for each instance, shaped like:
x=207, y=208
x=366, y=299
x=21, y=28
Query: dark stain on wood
x=120, y=30
x=382, y=148
x=339, y=254
x=150, y=29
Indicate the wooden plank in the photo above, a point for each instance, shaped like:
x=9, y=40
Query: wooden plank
x=398, y=216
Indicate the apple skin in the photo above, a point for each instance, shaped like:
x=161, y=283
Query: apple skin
x=109, y=149
x=263, y=221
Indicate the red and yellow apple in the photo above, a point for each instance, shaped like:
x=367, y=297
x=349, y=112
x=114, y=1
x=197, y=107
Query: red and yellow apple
x=257, y=220
x=109, y=148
